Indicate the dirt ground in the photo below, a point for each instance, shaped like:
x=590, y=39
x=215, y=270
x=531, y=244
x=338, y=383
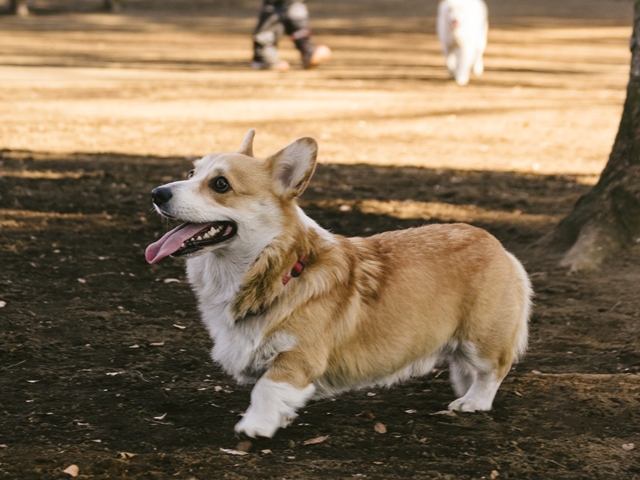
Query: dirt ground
x=103, y=361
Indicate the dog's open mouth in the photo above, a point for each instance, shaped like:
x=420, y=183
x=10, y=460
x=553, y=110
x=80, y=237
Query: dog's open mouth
x=189, y=238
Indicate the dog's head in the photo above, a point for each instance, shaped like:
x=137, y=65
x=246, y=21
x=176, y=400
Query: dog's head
x=233, y=199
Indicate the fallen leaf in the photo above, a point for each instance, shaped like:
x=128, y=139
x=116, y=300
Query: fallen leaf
x=157, y=344
x=410, y=411
x=627, y=447
x=126, y=455
x=171, y=280
x=135, y=346
x=378, y=463
x=82, y=280
x=217, y=388
x=518, y=393
x=113, y=374
x=161, y=417
x=494, y=475
x=314, y=441
x=3, y=446
x=3, y=304
x=97, y=440
x=536, y=372
x=380, y=427
x=448, y=413
x=72, y=470
x=232, y=452
x=33, y=381
x=266, y=451
x=181, y=327
x=371, y=394
x=423, y=440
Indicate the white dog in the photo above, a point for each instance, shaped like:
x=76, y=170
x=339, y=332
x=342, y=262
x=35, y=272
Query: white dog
x=462, y=31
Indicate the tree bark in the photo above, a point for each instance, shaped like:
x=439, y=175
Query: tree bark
x=607, y=219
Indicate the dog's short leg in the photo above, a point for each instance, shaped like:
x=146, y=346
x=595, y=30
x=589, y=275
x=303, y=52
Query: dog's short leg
x=461, y=377
x=273, y=406
x=480, y=395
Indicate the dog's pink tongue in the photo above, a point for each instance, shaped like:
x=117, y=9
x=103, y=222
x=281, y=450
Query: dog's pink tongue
x=171, y=241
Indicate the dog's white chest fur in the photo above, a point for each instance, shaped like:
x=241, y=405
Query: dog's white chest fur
x=239, y=347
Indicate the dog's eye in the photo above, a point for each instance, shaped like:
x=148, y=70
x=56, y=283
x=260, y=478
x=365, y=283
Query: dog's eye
x=220, y=184
x=191, y=174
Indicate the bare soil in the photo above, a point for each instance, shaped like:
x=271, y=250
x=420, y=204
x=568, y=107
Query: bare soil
x=104, y=363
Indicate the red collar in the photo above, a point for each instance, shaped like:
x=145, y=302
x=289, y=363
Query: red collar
x=295, y=271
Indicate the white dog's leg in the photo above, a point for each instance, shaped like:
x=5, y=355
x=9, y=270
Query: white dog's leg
x=478, y=65
x=451, y=59
x=463, y=69
x=273, y=406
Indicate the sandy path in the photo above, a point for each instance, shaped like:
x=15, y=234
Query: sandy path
x=166, y=85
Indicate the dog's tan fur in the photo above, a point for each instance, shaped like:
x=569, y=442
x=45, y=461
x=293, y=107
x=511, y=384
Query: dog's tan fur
x=364, y=310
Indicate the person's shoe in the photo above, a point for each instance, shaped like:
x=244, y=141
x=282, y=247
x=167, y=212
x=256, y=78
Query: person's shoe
x=322, y=53
x=279, y=66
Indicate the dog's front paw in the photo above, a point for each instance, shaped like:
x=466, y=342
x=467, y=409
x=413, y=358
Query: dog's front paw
x=470, y=405
x=254, y=425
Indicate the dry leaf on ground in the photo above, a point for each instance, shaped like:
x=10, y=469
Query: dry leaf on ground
x=380, y=427
x=72, y=470
x=448, y=413
x=126, y=455
x=494, y=475
x=314, y=441
x=627, y=447
x=232, y=452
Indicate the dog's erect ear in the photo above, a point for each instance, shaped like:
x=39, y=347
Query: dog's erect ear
x=292, y=167
x=247, y=143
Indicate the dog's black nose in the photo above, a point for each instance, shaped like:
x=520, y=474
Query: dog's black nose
x=161, y=195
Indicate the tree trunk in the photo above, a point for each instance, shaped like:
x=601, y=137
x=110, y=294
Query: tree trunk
x=19, y=7
x=607, y=218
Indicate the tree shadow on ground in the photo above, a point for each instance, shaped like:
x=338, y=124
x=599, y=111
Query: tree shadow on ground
x=104, y=356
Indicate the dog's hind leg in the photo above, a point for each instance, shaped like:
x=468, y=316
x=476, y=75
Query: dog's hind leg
x=475, y=379
x=461, y=377
x=485, y=376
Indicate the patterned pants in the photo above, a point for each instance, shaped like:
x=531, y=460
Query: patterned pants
x=278, y=17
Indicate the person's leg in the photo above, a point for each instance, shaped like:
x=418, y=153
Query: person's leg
x=265, y=38
x=296, y=24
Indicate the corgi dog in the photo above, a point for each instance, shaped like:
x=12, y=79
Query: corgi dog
x=462, y=30
x=304, y=313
